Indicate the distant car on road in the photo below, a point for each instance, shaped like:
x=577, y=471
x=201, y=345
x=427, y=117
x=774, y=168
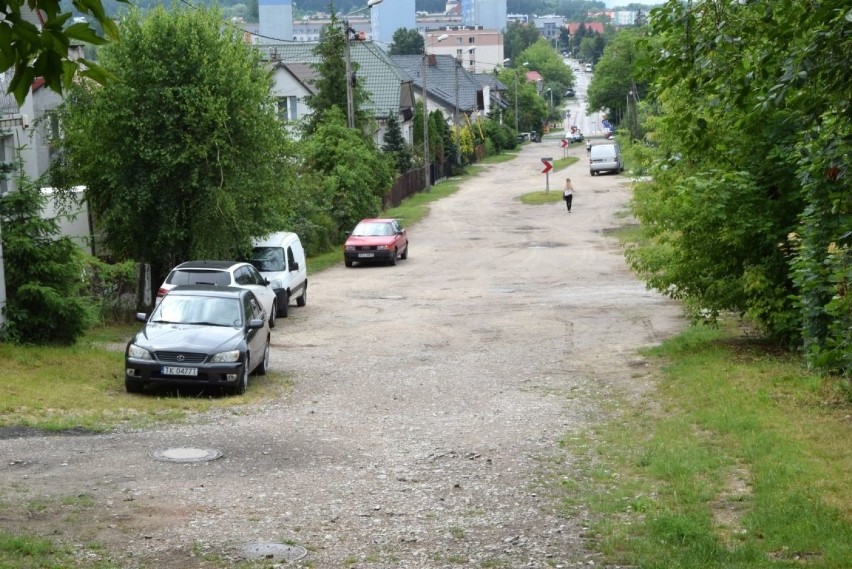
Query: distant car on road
x=588, y=68
x=376, y=240
x=203, y=335
x=570, y=92
x=574, y=135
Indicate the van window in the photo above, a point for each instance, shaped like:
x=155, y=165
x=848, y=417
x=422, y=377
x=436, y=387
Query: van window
x=268, y=258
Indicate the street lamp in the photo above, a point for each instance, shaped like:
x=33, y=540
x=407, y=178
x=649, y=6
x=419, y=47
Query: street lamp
x=350, y=103
x=426, y=158
x=551, y=96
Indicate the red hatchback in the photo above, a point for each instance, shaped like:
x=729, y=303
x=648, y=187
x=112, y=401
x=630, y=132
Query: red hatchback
x=376, y=240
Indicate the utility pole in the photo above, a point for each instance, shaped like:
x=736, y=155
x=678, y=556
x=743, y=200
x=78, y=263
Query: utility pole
x=347, y=56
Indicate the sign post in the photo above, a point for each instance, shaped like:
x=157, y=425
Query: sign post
x=548, y=166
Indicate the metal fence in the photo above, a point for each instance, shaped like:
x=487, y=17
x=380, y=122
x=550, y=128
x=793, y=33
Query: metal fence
x=411, y=182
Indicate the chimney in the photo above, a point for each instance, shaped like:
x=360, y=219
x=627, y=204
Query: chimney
x=431, y=61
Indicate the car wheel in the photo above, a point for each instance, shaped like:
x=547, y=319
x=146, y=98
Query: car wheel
x=404, y=253
x=133, y=386
x=284, y=306
x=303, y=300
x=242, y=382
x=272, y=315
x=263, y=366
x=392, y=261
x=348, y=263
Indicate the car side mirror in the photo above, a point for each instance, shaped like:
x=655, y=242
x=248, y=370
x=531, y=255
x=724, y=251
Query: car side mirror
x=141, y=317
x=255, y=324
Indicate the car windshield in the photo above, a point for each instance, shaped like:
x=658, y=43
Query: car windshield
x=199, y=276
x=202, y=310
x=372, y=229
x=268, y=258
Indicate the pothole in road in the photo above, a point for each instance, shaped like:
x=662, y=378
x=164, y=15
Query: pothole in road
x=274, y=551
x=184, y=454
x=545, y=245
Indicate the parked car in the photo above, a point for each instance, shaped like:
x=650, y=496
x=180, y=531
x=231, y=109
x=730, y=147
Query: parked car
x=280, y=258
x=376, y=240
x=605, y=157
x=569, y=92
x=223, y=273
x=588, y=68
x=203, y=335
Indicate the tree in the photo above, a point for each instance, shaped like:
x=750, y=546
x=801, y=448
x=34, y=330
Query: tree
x=331, y=83
x=542, y=58
x=616, y=75
x=43, y=52
x=42, y=272
x=406, y=42
x=519, y=37
x=396, y=146
x=183, y=156
x=750, y=205
x=349, y=172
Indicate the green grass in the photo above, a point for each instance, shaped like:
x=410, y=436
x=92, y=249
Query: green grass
x=82, y=387
x=744, y=462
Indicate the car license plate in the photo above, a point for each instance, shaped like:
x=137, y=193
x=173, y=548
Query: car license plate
x=170, y=370
x=363, y=255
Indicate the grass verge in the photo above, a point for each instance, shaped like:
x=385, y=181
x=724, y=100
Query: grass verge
x=59, y=388
x=743, y=461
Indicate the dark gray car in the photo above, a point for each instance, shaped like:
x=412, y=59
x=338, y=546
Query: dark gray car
x=202, y=335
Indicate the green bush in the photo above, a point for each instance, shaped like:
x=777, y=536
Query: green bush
x=44, y=273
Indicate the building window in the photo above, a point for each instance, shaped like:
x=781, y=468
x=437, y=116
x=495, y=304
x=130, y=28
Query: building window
x=471, y=39
x=287, y=109
x=458, y=40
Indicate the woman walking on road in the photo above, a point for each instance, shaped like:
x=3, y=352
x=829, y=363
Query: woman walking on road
x=568, y=194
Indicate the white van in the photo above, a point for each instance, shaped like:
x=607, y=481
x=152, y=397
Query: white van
x=280, y=258
x=605, y=157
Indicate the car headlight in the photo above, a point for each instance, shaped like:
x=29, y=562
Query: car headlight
x=349, y=248
x=135, y=351
x=226, y=357
x=382, y=247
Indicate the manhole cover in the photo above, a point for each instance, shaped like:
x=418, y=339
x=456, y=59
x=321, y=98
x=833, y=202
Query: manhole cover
x=274, y=551
x=183, y=454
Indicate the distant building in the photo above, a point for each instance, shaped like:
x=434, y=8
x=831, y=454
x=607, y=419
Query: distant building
x=479, y=50
x=489, y=14
x=276, y=20
x=549, y=26
x=387, y=17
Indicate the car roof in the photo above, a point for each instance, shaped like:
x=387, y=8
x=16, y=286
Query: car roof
x=218, y=265
x=209, y=290
x=378, y=220
x=274, y=239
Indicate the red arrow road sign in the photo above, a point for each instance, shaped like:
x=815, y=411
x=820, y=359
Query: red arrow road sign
x=547, y=166
x=564, y=143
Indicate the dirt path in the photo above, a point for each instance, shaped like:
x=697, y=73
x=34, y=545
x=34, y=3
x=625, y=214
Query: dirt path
x=429, y=401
